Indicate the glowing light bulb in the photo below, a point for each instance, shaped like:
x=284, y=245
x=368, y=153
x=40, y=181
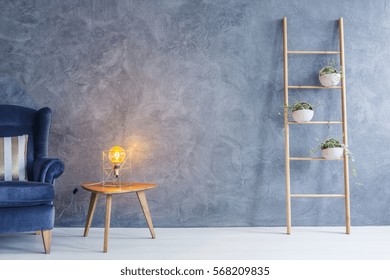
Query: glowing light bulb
x=117, y=155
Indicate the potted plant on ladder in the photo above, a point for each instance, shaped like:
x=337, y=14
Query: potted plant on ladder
x=329, y=76
x=331, y=149
x=302, y=112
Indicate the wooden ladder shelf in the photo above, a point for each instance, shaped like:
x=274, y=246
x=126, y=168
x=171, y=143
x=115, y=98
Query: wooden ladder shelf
x=343, y=123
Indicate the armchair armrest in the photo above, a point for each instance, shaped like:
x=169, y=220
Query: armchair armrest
x=47, y=169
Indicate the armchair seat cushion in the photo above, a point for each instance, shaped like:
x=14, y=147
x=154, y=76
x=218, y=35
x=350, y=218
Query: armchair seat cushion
x=26, y=193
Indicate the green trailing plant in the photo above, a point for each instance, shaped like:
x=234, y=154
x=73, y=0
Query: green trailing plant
x=331, y=68
x=328, y=70
x=327, y=143
x=301, y=106
x=331, y=143
x=334, y=143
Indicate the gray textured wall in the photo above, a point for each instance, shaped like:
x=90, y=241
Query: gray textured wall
x=194, y=89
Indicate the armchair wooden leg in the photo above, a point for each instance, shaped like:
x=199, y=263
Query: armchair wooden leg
x=46, y=237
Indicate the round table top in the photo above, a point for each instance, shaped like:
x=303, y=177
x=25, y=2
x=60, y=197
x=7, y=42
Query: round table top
x=108, y=188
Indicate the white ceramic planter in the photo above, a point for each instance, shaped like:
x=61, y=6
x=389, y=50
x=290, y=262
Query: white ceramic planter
x=330, y=80
x=302, y=116
x=332, y=153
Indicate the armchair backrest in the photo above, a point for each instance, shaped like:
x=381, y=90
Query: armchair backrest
x=17, y=120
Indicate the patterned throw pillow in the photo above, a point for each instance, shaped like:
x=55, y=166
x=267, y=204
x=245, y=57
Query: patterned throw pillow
x=13, y=158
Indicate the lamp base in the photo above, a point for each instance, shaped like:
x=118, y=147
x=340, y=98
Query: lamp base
x=113, y=175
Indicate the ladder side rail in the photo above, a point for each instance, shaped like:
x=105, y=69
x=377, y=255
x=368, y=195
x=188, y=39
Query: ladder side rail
x=344, y=127
x=286, y=127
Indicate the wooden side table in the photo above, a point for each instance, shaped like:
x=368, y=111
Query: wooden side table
x=109, y=190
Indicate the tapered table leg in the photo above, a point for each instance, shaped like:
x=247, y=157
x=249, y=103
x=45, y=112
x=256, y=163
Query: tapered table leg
x=91, y=210
x=107, y=227
x=145, y=209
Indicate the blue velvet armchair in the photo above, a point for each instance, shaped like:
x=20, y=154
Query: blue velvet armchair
x=28, y=205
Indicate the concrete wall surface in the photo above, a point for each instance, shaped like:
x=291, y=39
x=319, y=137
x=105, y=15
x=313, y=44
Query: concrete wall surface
x=194, y=89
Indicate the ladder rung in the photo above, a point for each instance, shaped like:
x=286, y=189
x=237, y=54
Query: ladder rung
x=316, y=195
x=315, y=158
x=313, y=52
x=313, y=87
x=318, y=122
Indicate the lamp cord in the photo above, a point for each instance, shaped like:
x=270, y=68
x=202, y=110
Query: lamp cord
x=70, y=204
x=71, y=200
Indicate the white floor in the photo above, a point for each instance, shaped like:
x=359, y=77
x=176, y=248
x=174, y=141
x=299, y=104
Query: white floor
x=329, y=243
